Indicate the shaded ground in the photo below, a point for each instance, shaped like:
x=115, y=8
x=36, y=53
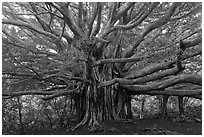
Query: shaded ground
x=150, y=125
x=137, y=127
x=171, y=125
x=145, y=127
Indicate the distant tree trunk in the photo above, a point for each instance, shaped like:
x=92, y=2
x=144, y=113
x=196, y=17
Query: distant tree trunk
x=128, y=105
x=164, y=105
x=181, y=108
x=20, y=116
x=142, y=107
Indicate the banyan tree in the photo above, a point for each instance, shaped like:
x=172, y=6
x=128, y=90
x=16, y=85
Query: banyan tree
x=100, y=54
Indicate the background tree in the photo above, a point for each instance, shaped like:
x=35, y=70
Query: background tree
x=100, y=54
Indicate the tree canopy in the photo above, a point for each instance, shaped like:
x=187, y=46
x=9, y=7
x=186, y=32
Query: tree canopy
x=101, y=53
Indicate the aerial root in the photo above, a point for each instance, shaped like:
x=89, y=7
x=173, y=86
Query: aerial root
x=83, y=122
x=96, y=127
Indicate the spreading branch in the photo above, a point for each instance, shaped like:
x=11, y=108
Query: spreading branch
x=62, y=8
x=195, y=93
x=29, y=26
x=90, y=26
x=119, y=60
x=134, y=72
x=123, y=81
x=124, y=9
x=80, y=11
x=188, y=78
x=51, y=94
x=158, y=23
x=187, y=44
x=98, y=23
x=135, y=23
x=31, y=92
x=61, y=93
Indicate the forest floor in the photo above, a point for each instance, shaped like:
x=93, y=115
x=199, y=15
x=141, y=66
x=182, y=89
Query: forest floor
x=147, y=126
x=191, y=124
x=150, y=125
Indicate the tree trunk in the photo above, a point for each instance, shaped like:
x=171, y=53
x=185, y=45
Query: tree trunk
x=142, y=107
x=20, y=116
x=164, y=105
x=128, y=105
x=181, y=109
x=104, y=103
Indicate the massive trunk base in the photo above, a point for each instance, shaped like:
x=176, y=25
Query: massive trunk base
x=102, y=104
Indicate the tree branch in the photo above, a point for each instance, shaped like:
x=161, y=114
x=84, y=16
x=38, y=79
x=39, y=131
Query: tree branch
x=188, y=78
x=124, y=9
x=98, y=24
x=195, y=93
x=189, y=44
x=161, y=21
x=135, y=73
x=42, y=23
x=52, y=94
x=18, y=74
x=80, y=11
x=96, y=10
x=136, y=59
x=62, y=8
x=61, y=93
x=123, y=81
x=29, y=26
x=31, y=92
x=136, y=23
x=119, y=60
x=65, y=77
x=18, y=43
x=194, y=10
x=131, y=24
